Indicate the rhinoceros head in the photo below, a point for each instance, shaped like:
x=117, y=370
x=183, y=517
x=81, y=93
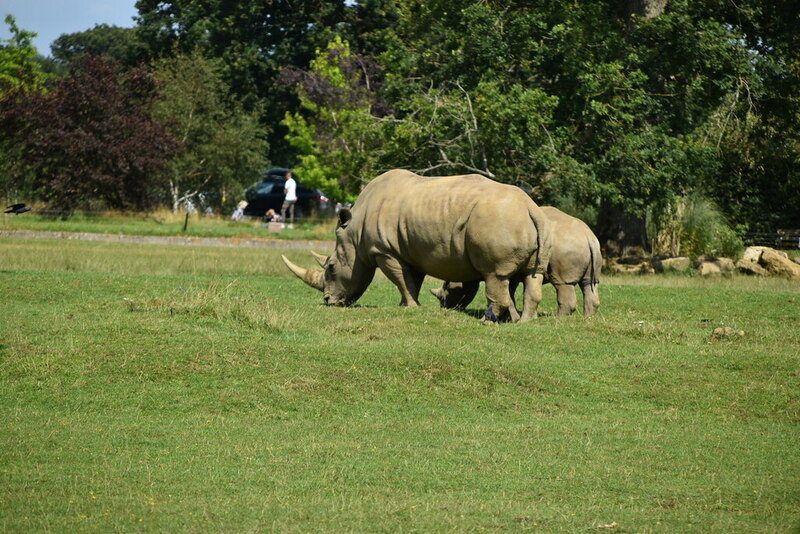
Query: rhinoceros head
x=455, y=295
x=344, y=277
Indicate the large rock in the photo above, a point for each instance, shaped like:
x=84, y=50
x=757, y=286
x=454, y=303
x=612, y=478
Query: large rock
x=766, y=261
x=753, y=253
x=713, y=265
x=726, y=265
x=708, y=268
x=751, y=268
x=678, y=263
x=625, y=266
x=778, y=263
x=748, y=264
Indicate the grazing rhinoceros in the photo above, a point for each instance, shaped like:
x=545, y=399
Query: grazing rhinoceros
x=575, y=259
x=460, y=228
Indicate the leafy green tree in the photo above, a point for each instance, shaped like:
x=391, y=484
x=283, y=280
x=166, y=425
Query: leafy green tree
x=648, y=96
x=335, y=132
x=19, y=65
x=253, y=40
x=123, y=45
x=499, y=132
x=89, y=141
x=756, y=128
x=222, y=146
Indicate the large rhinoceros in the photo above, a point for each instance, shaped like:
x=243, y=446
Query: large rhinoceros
x=575, y=259
x=460, y=228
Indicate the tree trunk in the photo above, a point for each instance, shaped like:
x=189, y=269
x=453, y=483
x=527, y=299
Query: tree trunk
x=644, y=9
x=620, y=233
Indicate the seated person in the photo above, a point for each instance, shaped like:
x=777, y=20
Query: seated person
x=271, y=216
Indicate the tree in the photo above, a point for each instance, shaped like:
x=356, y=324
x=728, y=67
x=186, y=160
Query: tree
x=89, y=141
x=502, y=132
x=123, y=45
x=221, y=145
x=19, y=68
x=252, y=40
x=338, y=137
x=21, y=73
x=637, y=87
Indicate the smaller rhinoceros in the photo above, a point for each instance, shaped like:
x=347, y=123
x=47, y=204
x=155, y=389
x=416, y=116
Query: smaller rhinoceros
x=575, y=259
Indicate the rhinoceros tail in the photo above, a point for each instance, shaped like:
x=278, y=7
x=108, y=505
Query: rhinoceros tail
x=544, y=238
x=595, y=261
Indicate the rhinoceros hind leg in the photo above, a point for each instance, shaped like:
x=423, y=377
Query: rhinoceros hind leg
x=407, y=280
x=499, y=298
x=591, y=299
x=567, y=300
x=532, y=296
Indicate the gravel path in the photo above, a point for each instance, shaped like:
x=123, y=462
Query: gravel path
x=175, y=240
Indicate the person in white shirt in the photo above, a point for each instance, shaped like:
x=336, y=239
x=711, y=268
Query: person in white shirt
x=290, y=190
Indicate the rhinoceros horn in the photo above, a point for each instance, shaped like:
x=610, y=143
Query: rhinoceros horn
x=320, y=258
x=312, y=278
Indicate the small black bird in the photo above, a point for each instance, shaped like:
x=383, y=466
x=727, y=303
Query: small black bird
x=16, y=209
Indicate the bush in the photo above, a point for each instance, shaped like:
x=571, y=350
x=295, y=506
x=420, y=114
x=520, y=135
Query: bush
x=705, y=232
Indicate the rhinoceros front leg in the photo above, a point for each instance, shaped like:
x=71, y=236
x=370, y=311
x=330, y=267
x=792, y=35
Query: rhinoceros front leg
x=407, y=280
x=532, y=296
x=499, y=299
x=567, y=301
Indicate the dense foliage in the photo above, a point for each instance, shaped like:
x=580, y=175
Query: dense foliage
x=221, y=145
x=622, y=112
x=90, y=140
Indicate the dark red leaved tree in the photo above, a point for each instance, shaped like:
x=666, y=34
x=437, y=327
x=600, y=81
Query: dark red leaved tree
x=90, y=139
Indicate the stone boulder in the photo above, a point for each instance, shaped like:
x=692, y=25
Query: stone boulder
x=678, y=263
x=708, y=268
x=751, y=268
x=748, y=264
x=753, y=253
x=626, y=266
x=713, y=265
x=766, y=261
x=726, y=265
x=778, y=263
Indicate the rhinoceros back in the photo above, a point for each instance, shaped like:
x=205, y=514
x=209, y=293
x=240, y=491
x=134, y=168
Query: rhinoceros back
x=453, y=227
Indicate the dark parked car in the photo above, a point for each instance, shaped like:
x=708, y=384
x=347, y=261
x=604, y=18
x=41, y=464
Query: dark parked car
x=268, y=194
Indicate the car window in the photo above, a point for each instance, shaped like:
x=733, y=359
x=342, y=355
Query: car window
x=263, y=189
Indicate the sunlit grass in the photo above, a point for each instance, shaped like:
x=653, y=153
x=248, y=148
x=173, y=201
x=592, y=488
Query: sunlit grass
x=156, y=388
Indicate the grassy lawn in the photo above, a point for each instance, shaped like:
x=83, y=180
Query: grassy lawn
x=177, y=389
x=166, y=223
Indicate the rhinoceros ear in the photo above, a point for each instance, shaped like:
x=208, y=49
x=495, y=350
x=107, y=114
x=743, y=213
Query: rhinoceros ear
x=344, y=217
x=320, y=258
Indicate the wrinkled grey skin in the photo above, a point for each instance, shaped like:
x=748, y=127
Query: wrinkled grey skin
x=575, y=260
x=461, y=228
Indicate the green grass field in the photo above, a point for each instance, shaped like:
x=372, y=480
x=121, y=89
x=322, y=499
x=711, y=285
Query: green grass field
x=179, y=389
x=165, y=223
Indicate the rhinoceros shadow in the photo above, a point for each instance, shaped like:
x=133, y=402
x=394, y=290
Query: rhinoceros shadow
x=478, y=313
